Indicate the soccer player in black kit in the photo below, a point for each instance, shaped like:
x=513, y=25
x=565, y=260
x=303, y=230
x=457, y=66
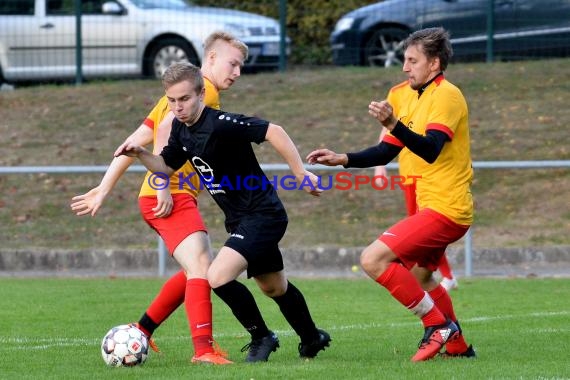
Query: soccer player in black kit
x=218, y=145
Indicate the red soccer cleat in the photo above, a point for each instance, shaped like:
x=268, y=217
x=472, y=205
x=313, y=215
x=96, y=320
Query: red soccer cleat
x=434, y=339
x=211, y=358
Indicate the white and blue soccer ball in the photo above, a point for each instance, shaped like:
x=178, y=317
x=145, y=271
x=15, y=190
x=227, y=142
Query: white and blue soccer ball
x=124, y=345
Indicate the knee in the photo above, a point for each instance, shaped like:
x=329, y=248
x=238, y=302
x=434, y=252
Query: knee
x=272, y=291
x=214, y=278
x=368, y=260
x=374, y=262
x=272, y=286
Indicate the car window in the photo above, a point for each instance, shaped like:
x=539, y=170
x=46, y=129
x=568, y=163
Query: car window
x=67, y=7
x=59, y=7
x=17, y=7
x=162, y=4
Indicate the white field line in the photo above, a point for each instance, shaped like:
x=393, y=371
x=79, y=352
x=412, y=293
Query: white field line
x=24, y=343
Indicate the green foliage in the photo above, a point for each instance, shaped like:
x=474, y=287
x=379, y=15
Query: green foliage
x=52, y=329
x=309, y=23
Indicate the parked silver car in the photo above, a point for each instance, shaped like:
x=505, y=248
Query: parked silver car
x=121, y=37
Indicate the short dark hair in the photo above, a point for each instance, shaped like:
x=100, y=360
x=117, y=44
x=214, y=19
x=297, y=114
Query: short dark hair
x=434, y=42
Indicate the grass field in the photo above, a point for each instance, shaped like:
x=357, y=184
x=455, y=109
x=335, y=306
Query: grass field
x=518, y=111
x=51, y=329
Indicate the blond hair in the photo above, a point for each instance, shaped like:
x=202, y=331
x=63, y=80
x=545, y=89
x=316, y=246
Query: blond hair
x=220, y=35
x=180, y=72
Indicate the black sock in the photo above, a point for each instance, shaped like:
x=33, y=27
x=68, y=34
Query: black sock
x=294, y=307
x=240, y=300
x=148, y=325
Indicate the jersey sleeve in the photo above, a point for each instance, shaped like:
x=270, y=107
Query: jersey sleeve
x=446, y=112
x=173, y=153
x=156, y=115
x=242, y=127
x=393, y=98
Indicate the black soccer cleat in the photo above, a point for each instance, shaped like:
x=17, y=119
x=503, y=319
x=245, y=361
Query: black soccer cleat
x=311, y=349
x=469, y=354
x=260, y=349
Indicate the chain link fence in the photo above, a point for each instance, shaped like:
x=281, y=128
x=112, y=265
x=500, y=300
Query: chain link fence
x=44, y=40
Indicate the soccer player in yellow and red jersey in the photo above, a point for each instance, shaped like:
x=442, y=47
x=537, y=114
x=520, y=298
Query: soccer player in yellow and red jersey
x=395, y=95
x=432, y=124
x=170, y=208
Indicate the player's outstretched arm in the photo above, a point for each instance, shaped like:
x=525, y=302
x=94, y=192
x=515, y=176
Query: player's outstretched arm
x=283, y=144
x=154, y=163
x=91, y=201
x=327, y=157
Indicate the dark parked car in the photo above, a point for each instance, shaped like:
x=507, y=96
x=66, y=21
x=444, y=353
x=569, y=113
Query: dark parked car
x=372, y=35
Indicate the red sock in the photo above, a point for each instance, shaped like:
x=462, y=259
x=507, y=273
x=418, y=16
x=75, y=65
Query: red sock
x=443, y=302
x=444, y=267
x=405, y=288
x=199, y=313
x=171, y=296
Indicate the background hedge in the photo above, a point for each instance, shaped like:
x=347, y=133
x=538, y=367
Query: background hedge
x=309, y=23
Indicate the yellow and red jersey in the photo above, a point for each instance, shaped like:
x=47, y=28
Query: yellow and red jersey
x=186, y=172
x=395, y=97
x=444, y=185
x=212, y=96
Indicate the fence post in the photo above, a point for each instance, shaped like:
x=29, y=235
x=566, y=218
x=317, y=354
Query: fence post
x=78, y=45
x=490, y=31
x=161, y=257
x=283, y=35
x=469, y=252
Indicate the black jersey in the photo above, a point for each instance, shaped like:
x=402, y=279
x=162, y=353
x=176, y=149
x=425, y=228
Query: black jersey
x=219, y=148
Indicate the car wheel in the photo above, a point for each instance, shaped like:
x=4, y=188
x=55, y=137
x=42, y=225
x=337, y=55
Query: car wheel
x=167, y=51
x=385, y=48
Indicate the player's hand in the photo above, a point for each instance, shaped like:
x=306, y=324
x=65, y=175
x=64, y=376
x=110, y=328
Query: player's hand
x=128, y=149
x=164, y=204
x=310, y=183
x=88, y=203
x=380, y=176
x=384, y=113
x=326, y=157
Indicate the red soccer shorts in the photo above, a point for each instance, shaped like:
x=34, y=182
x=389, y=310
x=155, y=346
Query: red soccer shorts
x=422, y=238
x=410, y=198
x=184, y=220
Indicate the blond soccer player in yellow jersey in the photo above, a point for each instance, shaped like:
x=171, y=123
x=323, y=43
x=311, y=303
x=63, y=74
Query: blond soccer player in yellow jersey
x=431, y=121
x=170, y=207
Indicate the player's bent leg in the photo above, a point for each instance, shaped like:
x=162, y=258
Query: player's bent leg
x=272, y=284
x=448, y=281
x=226, y=267
x=294, y=308
x=425, y=278
x=194, y=254
x=376, y=258
x=169, y=298
x=223, y=271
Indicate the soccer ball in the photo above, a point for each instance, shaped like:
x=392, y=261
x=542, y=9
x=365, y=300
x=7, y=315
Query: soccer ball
x=124, y=345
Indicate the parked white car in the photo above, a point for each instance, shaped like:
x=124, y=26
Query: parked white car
x=121, y=37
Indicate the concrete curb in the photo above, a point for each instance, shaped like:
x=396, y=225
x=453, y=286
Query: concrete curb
x=310, y=262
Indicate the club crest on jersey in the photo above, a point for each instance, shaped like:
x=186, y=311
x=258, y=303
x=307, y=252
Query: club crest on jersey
x=205, y=170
